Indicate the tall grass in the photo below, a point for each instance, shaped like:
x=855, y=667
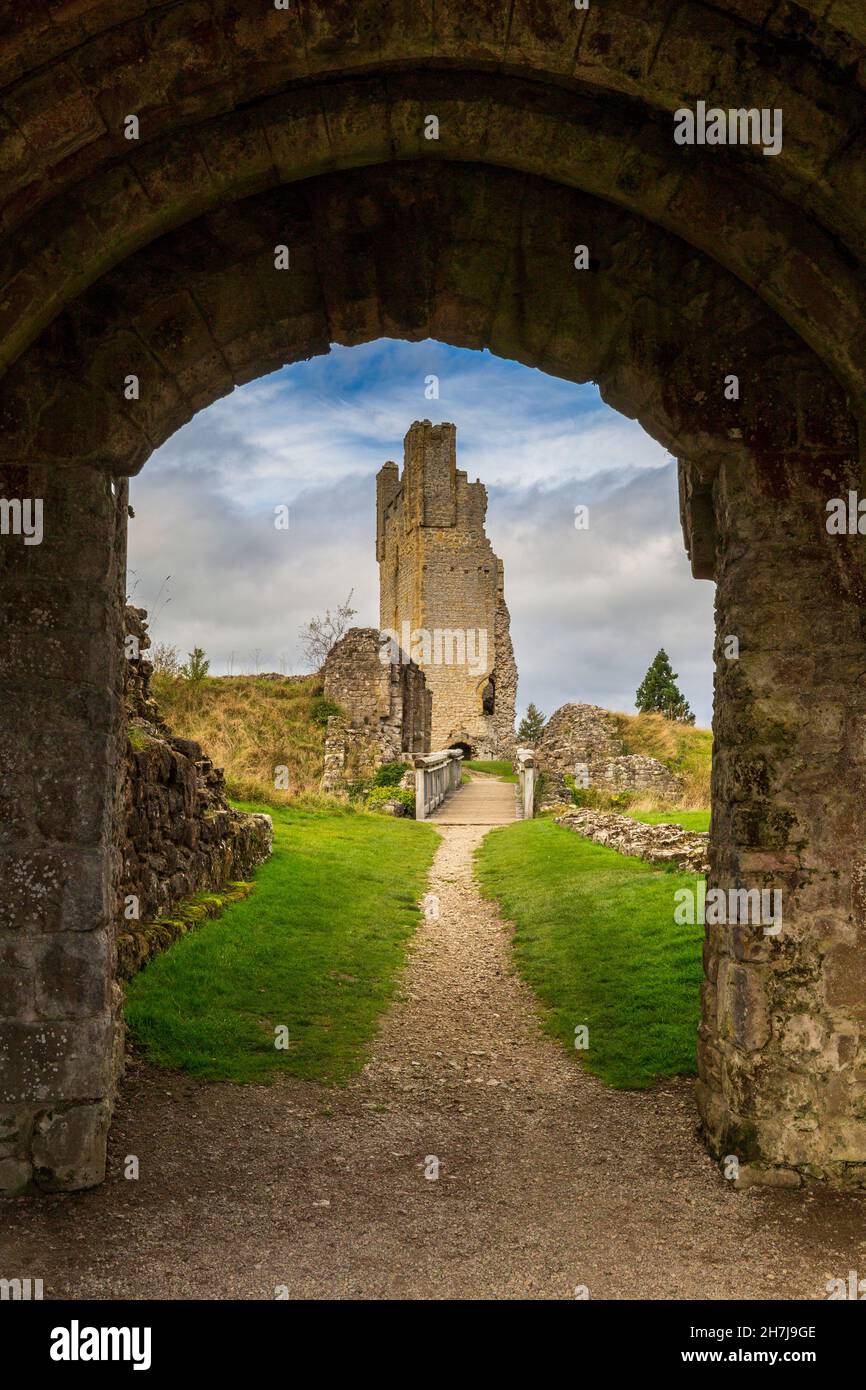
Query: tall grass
x=686, y=750
x=250, y=726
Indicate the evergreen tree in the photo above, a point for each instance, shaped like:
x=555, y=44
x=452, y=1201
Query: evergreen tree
x=531, y=726
x=197, y=667
x=658, y=692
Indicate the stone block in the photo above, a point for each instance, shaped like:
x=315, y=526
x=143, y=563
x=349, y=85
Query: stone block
x=742, y=1004
x=15, y=1176
x=72, y=974
x=69, y=1147
x=55, y=1061
x=54, y=890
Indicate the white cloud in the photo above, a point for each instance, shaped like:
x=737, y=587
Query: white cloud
x=589, y=608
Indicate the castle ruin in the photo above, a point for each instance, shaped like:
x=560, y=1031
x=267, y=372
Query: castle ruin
x=385, y=709
x=441, y=592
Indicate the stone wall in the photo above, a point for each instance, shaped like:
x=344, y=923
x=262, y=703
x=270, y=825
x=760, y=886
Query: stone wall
x=179, y=835
x=583, y=741
x=385, y=704
x=636, y=772
x=440, y=583
x=658, y=844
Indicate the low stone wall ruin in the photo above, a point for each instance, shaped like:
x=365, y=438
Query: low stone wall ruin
x=583, y=741
x=386, y=709
x=658, y=844
x=179, y=835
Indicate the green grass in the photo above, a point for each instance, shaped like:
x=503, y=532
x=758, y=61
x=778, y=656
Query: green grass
x=596, y=939
x=316, y=947
x=501, y=768
x=689, y=820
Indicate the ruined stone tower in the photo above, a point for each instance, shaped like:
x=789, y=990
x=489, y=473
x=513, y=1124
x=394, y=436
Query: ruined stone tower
x=441, y=592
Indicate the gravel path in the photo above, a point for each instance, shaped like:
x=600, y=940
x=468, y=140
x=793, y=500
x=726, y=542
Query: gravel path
x=547, y=1180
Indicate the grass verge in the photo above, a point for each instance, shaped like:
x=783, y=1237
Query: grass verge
x=501, y=768
x=316, y=948
x=689, y=820
x=595, y=937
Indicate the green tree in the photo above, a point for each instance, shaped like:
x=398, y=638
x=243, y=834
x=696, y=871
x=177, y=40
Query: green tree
x=197, y=667
x=531, y=725
x=658, y=692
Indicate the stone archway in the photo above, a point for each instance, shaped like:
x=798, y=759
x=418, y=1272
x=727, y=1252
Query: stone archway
x=465, y=748
x=158, y=265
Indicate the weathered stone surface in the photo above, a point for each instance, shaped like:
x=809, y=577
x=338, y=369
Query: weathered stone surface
x=575, y=97
x=583, y=742
x=69, y=1147
x=756, y=1175
x=659, y=844
x=180, y=836
x=781, y=1058
x=442, y=592
x=59, y=1029
x=385, y=704
x=57, y=1060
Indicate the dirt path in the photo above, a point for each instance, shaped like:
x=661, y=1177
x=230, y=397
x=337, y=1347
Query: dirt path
x=547, y=1180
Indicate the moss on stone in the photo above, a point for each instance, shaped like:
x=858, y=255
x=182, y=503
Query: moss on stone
x=136, y=948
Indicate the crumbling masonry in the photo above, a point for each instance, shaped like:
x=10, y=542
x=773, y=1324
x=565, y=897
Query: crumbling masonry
x=384, y=709
x=441, y=592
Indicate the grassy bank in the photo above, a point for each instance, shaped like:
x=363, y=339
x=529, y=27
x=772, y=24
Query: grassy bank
x=315, y=948
x=250, y=726
x=687, y=751
x=596, y=939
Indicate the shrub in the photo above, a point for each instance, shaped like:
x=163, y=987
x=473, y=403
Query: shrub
x=196, y=668
x=164, y=659
x=390, y=774
x=380, y=796
x=590, y=797
x=598, y=799
x=322, y=709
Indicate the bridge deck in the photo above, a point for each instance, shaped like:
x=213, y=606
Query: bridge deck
x=483, y=801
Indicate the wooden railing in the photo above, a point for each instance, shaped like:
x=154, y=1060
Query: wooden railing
x=436, y=774
x=526, y=773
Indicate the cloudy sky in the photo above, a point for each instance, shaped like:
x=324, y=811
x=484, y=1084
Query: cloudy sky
x=589, y=608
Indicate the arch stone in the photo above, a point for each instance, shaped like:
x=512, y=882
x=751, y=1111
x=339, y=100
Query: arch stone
x=305, y=126
x=477, y=256
x=611, y=149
